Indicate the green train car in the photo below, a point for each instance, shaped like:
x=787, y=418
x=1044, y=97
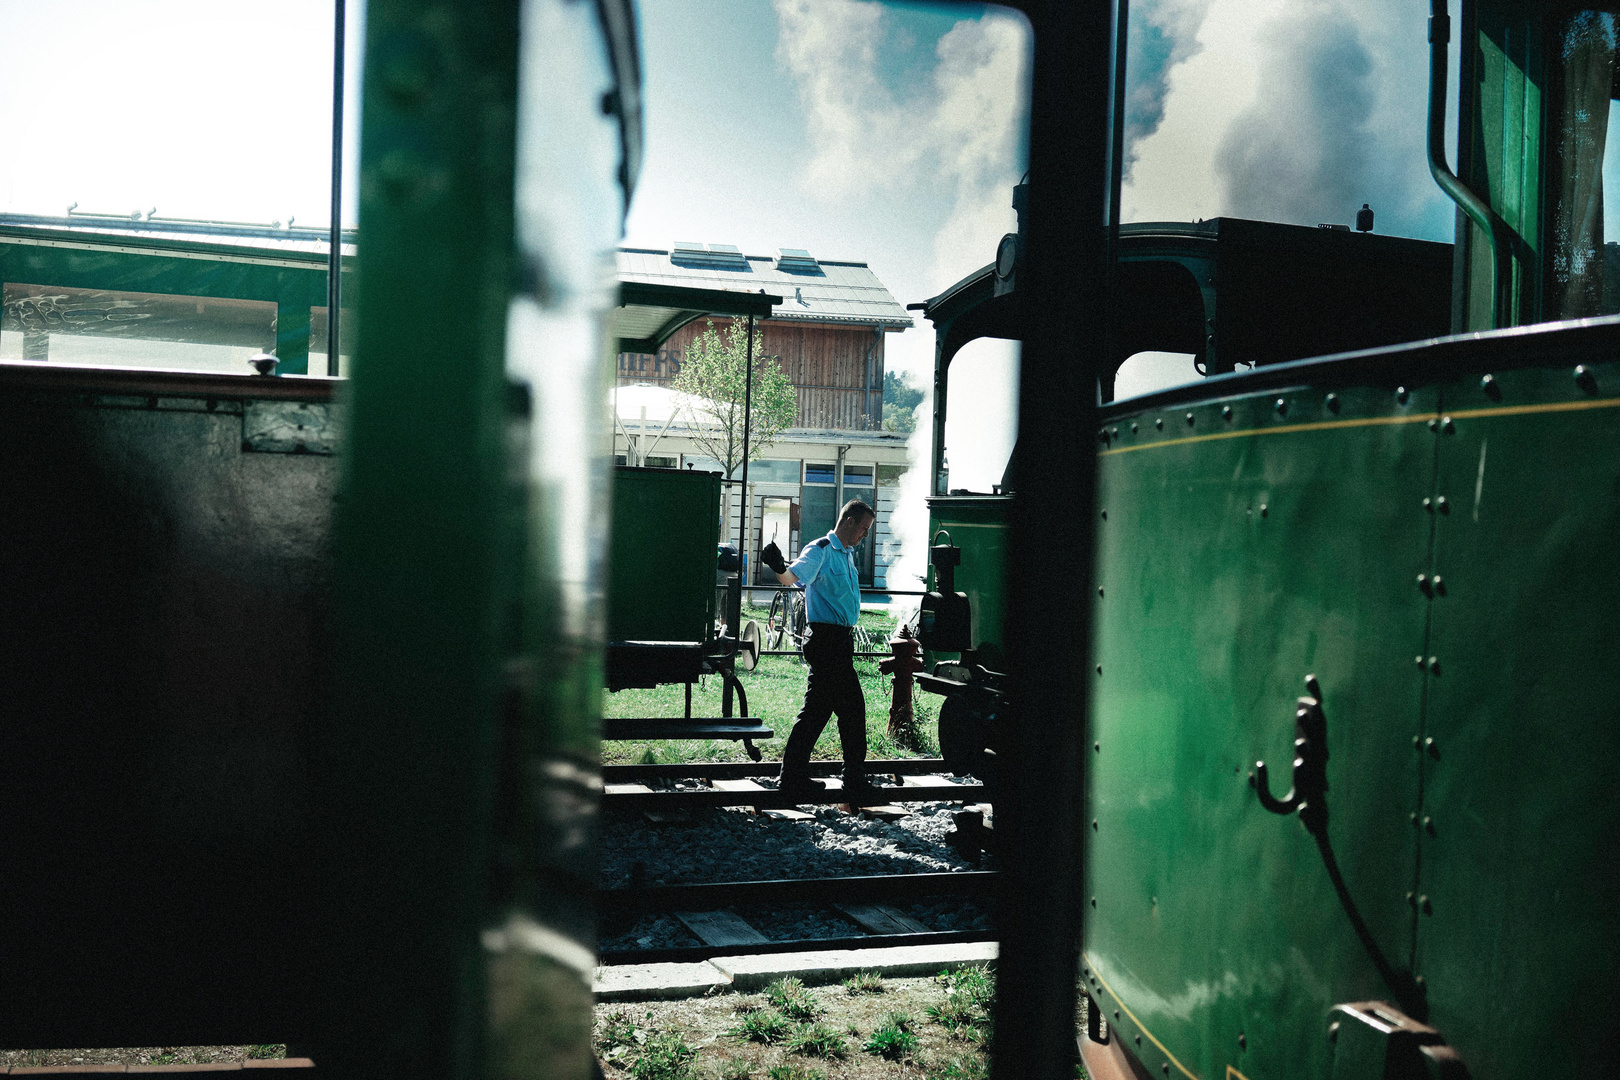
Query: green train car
x=662, y=555
x=1382, y=581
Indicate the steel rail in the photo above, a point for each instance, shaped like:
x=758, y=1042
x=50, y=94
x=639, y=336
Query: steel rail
x=743, y=770
x=771, y=799
x=800, y=652
x=691, y=954
x=714, y=896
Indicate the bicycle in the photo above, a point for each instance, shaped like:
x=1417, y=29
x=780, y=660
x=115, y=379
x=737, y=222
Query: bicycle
x=786, y=621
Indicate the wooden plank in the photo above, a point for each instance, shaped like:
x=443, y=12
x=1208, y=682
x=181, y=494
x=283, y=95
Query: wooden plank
x=738, y=785
x=882, y=919
x=789, y=815
x=720, y=928
x=886, y=813
x=626, y=789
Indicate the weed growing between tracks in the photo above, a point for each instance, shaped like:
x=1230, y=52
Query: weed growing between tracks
x=775, y=694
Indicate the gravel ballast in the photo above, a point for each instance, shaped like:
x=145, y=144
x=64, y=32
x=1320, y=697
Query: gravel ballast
x=735, y=845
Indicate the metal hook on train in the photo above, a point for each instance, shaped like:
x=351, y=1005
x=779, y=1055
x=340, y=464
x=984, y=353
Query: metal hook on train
x=1308, y=796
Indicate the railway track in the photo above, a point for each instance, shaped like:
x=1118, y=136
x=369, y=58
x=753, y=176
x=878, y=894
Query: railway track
x=708, y=911
x=738, y=784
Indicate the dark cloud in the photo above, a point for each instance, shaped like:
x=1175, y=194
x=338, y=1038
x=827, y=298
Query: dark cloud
x=1304, y=152
x=1163, y=33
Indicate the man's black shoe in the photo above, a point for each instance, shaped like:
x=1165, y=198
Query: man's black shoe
x=861, y=790
x=801, y=787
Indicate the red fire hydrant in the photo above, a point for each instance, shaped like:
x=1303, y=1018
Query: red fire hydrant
x=905, y=661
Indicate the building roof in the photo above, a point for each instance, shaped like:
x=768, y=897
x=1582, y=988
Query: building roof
x=812, y=290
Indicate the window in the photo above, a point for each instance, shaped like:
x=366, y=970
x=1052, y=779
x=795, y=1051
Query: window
x=1147, y=372
x=317, y=337
x=773, y=471
x=654, y=462
x=857, y=476
x=889, y=475
x=820, y=472
x=116, y=327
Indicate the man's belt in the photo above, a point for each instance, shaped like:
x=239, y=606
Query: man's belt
x=830, y=627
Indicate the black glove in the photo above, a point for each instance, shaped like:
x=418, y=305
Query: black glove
x=771, y=556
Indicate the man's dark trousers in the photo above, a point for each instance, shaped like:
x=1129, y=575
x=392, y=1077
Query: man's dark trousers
x=830, y=652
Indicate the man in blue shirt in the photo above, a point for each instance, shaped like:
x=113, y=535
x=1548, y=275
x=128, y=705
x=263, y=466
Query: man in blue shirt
x=832, y=588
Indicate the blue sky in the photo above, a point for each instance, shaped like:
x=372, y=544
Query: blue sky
x=732, y=149
x=890, y=134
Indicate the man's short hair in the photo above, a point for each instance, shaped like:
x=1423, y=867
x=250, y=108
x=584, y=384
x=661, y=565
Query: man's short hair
x=856, y=509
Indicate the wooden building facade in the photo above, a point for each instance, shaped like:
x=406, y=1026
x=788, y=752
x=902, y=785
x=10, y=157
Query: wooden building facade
x=827, y=335
x=836, y=370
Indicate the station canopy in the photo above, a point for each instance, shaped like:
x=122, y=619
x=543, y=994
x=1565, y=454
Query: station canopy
x=649, y=313
x=661, y=291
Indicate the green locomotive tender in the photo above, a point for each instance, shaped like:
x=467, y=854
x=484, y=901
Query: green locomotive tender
x=1387, y=573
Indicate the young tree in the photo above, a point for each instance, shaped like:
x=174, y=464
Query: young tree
x=900, y=401
x=712, y=375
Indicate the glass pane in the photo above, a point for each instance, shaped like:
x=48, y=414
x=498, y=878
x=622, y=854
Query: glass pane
x=819, y=473
x=858, y=476
x=771, y=471
x=317, y=338
x=699, y=463
x=136, y=329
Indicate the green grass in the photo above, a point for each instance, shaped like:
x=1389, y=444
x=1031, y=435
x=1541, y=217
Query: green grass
x=964, y=1067
x=267, y=1050
x=816, y=1040
x=795, y=1071
x=775, y=694
x=764, y=1026
x=789, y=997
x=664, y=1057
x=965, y=1012
x=894, y=1039
x=865, y=982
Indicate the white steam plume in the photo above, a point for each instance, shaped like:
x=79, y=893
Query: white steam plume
x=963, y=133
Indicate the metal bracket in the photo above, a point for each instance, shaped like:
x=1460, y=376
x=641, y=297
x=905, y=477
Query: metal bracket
x=1308, y=796
x=1373, y=1040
